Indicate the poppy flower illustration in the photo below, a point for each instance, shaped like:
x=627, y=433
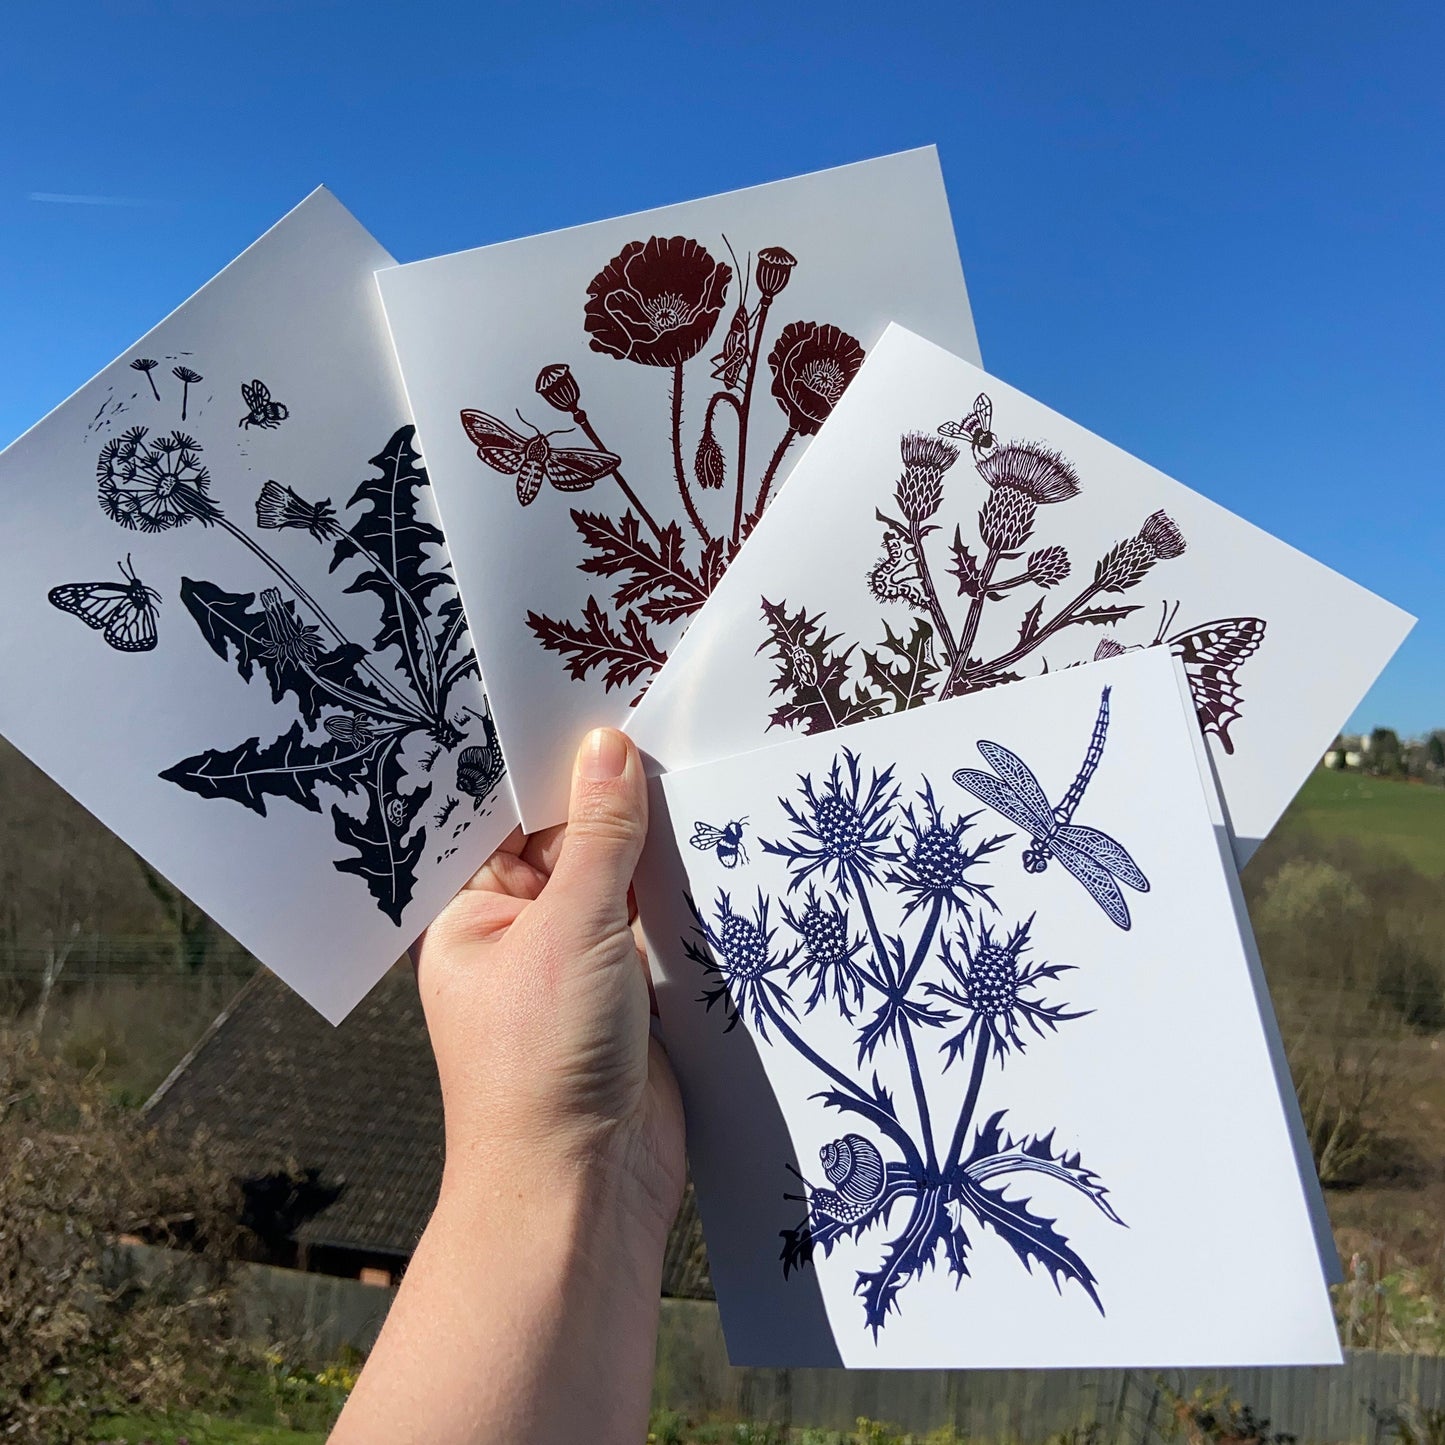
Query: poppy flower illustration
x=656, y=302
x=812, y=366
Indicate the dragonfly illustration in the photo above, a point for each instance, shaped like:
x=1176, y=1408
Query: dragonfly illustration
x=1094, y=858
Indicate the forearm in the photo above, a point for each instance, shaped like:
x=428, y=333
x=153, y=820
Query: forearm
x=527, y=1313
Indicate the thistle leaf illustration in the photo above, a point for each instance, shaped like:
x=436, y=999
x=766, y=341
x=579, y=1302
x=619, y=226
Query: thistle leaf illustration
x=812, y=674
x=904, y=670
x=965, y=567
x=290, y=768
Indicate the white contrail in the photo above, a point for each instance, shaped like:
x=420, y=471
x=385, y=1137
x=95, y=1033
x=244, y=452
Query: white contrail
x=62, y=198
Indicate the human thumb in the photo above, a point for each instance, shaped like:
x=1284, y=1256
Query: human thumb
x=606, y=825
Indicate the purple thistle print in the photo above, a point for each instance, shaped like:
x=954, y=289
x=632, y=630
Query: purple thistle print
x=826, y=680
x=954, y=982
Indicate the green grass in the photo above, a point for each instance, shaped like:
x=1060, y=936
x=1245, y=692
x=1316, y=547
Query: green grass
x=1406, y=817
x=198, y=1429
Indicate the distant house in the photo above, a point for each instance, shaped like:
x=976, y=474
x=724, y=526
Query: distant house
x=335, y=1134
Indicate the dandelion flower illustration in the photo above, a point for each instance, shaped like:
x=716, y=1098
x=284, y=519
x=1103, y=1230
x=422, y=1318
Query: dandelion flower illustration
x=289, y=641
x=279, y=508
x=187, y=379
x=146, y=365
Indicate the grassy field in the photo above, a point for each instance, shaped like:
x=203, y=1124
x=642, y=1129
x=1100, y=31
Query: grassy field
x=1408, y=818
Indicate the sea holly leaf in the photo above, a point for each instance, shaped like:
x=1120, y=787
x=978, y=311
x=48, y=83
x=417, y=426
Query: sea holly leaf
x=797, y=1251
x=1030, y=1236
x=649, y=568
x=237, y=629
x=400, y=548
x=905, y=1259
x=386, y=858
x=289, y=768
x=965, y=567
x=904, y=670
x=996, y=1154
x=626, y=654
x=812, y=674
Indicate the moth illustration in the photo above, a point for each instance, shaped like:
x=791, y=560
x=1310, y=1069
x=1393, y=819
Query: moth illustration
x=1094, y=858
x=124, y=613
x=727, y=842
x=975, y=428
x=534, y=459
x=1211, y=653
x=263, y=412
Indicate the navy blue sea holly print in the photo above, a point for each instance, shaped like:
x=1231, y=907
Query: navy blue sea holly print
x=955, y=979
x=664, y=303
x=369, y=717
x=825, y=680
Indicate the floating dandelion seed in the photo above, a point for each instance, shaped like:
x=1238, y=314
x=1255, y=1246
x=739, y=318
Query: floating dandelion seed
x=187, y=379
x=145, y=364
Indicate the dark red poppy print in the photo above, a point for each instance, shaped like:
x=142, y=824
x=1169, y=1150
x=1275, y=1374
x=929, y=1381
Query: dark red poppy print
x=657, y=302
x=665, y=302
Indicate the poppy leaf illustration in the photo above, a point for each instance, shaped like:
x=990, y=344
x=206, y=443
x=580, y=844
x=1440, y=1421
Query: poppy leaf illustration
x=626, y=653
x=386, y=858
x=290, y=768
x=904, y=669
x=620, y=550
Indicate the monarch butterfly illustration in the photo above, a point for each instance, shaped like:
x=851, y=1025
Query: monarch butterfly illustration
x=124, y=613
x=263, y=411
x=976, y=428
x=534, y=459
x=726, y=842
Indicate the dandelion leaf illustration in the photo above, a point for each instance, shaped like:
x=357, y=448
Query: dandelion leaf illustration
x=386, y=859
x=289, y=768
x=904, y=670
x=390, y=528
x=626, y=653
x=288, y=654
x=811, y=674
x=653, y=573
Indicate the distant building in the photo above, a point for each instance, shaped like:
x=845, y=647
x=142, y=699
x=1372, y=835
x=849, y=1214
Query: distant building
x=335, y=1134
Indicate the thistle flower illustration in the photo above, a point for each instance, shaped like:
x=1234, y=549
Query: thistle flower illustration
x=931, y=863
x=920, y=489
x=1127, y=563
x=1038, y=471
x=1049, y=566
x=775, y=270
x=841, y=826
x=187, y=379
x=288, y=640
x=997, y=991
x=279, y=508
x=738, y=952
x=146, y=365
x=827, y=953
x=1006, y=519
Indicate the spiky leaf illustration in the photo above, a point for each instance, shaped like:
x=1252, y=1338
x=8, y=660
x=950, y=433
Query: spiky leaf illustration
x=812, y=674
x=996, y=1154
x=626, y=654
x=965, y=567
x=391, y=528
x=907, y=1256
x=238, y=630
x=289, y=768
x=905, y=670
x=386, y=858
x=653, y=573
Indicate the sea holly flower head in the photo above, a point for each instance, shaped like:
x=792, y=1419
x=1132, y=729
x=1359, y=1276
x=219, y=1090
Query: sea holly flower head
x=827, y=953
x=931, y=863
x=738, y=951
x=288, y=640
x=998, y=989
x=656, y=302
x=1039, y=472
x=279, y=508
x=843, y=826
x=812, y=366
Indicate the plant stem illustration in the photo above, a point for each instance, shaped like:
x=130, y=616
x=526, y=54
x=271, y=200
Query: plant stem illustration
x=361, y=709
x=953, y=981
x=659, y=303
x=826, y=680
x=145, y=365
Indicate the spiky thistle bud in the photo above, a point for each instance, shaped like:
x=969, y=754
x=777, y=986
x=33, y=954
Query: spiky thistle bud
x=1006, y=519
x=1049, y=566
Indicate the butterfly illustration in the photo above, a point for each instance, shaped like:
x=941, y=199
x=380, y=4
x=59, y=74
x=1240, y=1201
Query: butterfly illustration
x=975, y=428
x=534, y=459
x=727, y=842
x=1094, y=858
x=123, y=612
x=264, y=411
x=1211, y=654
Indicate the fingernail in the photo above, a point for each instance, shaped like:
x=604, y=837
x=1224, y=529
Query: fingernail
x=603, y=756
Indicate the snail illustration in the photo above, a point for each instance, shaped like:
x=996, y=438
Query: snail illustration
x=856, y=1167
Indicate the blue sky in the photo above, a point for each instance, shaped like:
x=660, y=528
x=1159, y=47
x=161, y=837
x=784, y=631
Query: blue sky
x=1210, y=232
